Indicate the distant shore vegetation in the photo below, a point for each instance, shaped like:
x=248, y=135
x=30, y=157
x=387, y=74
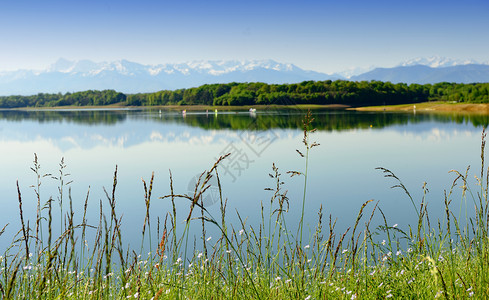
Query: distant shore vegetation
x=351, y=93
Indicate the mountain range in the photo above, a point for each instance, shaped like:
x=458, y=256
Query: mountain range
x=130, y=77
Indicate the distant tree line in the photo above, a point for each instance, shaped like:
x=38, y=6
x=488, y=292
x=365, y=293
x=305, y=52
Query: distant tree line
x=308, y=92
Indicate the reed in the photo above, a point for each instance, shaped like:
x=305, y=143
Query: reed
x=445, y=258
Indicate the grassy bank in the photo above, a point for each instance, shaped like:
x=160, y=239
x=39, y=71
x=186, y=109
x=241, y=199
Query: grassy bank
x=444, y=258
x=443, y=107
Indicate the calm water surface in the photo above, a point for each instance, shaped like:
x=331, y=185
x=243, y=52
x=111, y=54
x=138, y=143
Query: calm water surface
x=418, y=148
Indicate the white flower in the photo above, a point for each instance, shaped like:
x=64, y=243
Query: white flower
x=200, y=255
x=383, y=242
x=389, y=295
x=228, y=251
x=372, y=273
x=398, y=253
x=136, y=295
x=306, y=247
x=344, y=251
x=278, y=278
x=288, y=280
x=395, y=225
x=381, y=284
x=209, y=238
x=411, y=281
x=308, y=297
x=241, y=232
x=410, y=250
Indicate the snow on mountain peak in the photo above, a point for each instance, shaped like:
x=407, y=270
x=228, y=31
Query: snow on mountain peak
x=437, y=62
x=90, y=68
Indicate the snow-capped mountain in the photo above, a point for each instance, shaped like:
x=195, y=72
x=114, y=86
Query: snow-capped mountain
x=439, y=62
x=130, y=77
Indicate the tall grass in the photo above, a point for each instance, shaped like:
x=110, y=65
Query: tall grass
x=446, y=258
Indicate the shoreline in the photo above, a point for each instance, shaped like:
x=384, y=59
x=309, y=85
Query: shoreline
x=180, y=107
x=431, y=107
x=422, y=107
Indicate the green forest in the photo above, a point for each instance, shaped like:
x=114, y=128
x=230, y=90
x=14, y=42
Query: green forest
x=350, y=93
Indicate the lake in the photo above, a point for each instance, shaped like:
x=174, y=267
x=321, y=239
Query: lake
x=418, y=148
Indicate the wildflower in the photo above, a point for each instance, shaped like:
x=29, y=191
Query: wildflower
x=309, y=260
x=389, y=295
x=179, y=260
x=127, y=285
x=190, y=265
x=209, y=238
x=471, y=294
x=411, y=281
x=344, y=251
x=228, y=251
x=410, y=250
x=136, y=295
x=306, y=247
x=381, y=284
x=402, y=272
x=383, y=242
x=278, y=278
x=469, y=289
x=438, y=294
x=389, y=253
x=354, y=296
x=395, y=225
x=241, y=232
x=288, y=280
x=440, y=258
x=372, y=273
x=398, y=253
x=308, y=297
x=200, y=255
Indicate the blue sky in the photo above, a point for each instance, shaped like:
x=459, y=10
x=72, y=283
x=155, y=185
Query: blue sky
x=326, y=36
